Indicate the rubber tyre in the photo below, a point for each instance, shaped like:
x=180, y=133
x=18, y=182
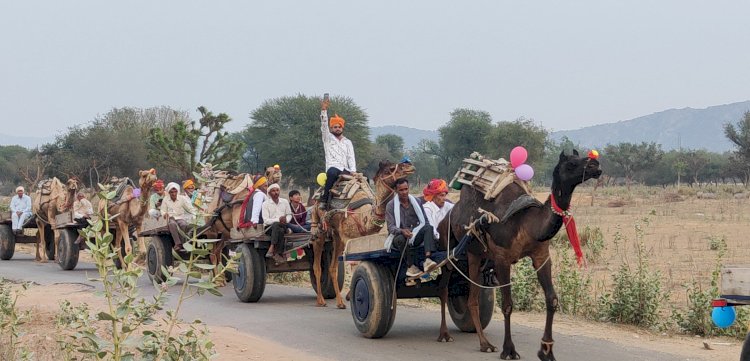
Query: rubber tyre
x=224, y=258
x=49, y=242
x=459, y=310
x=7, y=242
x=67, y=249
x=745, y=354
x=326, y=283
x=372, y=298
x=250, y=281
x=158, y=255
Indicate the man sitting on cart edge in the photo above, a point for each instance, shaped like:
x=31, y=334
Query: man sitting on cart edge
x=276, y=216
x=154, y=201
x=299, y=223
x=179, y=211
x=339, y=151
x=20, y=209
x=408, y=227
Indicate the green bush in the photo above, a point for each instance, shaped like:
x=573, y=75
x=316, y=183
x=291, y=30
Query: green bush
x=525, y=290
x=11, y=320
x=717, y=243
x=572, y=285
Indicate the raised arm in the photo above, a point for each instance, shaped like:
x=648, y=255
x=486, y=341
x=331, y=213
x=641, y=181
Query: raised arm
x=325, y=133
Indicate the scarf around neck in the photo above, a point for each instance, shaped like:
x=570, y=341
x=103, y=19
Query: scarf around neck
x=397, y=215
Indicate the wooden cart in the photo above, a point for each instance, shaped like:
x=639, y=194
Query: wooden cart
x=8, y=240
x=735, y=291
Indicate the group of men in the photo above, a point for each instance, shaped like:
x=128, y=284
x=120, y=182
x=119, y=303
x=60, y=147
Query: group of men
x=180, y=209
x=20, y=209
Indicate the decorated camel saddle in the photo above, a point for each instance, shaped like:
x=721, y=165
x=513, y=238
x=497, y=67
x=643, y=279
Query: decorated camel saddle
x=488, y=176
x=118, y=186
x=344, y=190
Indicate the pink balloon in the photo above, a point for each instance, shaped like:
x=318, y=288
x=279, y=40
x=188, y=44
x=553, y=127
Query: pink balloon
x=518, y=156
x=524, y=172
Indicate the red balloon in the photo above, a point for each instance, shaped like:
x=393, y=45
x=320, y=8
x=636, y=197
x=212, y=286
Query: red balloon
x=518, y=156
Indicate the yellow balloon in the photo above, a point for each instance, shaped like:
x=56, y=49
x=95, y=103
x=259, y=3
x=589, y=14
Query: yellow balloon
x=322, y=179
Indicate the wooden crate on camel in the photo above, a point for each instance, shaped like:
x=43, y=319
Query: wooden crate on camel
x=488, y=176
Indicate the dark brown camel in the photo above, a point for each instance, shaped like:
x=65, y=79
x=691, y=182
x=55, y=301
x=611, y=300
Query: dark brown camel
x=524, y=233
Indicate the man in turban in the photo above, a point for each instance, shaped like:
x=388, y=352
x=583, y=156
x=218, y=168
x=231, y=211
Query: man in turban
x=436, y=207
x=154, y=202
x=179, y=211
x=260, y=187
x=20, y=209
x=276, y=216
x=339, y=150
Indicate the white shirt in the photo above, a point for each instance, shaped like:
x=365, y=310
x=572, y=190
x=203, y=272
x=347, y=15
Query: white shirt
x=339, y=152
x=258, y=198
x=83, y=208
x=22, y=204
x=272, y=211
x=181, y=208
x=435, y=214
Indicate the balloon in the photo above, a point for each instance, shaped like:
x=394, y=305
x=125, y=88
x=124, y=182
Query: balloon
x=518, y=156
x=593, y=154
x=321, y=179
x=524, y=172
x=723, y=317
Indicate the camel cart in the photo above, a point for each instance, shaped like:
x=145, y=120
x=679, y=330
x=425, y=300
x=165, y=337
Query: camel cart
x=250, y=280
x=8, y=240
x=380, y=278
x=735, y=291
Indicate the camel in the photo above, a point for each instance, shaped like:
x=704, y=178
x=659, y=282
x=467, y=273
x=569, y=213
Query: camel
x=50, y=199
x=524, y=232
x=344, y=225
x=131, y=210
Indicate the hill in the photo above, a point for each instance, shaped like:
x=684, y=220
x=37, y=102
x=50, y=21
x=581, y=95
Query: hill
x=411, y=136
x=27, y=142
x=687, y=128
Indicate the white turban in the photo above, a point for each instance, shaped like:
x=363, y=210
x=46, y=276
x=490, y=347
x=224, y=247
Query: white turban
x=272, y=186
x=172, y=185
x=19, y=188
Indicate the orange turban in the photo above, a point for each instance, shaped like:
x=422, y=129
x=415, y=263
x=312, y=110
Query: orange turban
x=436, y=186
x=336, y=120
x=159, y=185
x=188, y=183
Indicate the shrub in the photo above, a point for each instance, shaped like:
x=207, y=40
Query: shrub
x=11, y=320
x=716, y=243
x=525, y=289
x=572, y=285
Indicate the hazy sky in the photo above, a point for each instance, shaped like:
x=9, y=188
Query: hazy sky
x=566, y=64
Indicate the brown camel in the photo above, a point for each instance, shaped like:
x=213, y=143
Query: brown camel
x=524, y=231
x=130, y=210
x=51, y=199
x=343, y=225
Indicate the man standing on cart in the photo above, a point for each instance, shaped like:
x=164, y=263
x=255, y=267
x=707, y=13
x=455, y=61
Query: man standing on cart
x=339, y=150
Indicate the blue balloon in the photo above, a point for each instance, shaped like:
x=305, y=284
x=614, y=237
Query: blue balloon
x=723, y=317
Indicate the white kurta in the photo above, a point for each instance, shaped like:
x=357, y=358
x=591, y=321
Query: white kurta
x=436, y=214
x=20, y=204
x=272, y=211
x=258, y=199
x=82, y=208
x=181, y=208
x=339, y=152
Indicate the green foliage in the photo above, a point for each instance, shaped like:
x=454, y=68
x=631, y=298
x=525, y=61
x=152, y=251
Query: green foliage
x=739, y=134
x=13, y=159
x=525, y=290
x=524, y=132
x=11, y=320
x=393, y=144
x=637, y=294
x=183, y=146
x=287, y=131
x=119, y=332
x=464, y=133
x=627, y=159
x=716, y=243
x=573, y=285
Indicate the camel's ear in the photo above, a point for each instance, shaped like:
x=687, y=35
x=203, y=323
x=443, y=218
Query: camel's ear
x=575, y=152
x=142, y=173
x=152, y=171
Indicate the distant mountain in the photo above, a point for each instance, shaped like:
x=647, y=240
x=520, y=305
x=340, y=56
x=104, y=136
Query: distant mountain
x=687, y=128
x=28, y=142
x=411, y=136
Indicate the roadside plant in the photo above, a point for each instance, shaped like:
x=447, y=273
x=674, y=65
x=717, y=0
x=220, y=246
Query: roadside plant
x=11, y=320
x=572, y=285
x=717, y=243
x=131, y=326
x=525, y=290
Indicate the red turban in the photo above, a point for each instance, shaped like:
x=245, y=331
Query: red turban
x=436, y=186
x=336, y=120
x=159, y=185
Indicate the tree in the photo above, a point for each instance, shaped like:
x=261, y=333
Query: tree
x=521, y=132
x=13, y=158
x=739, y=134
x=184, y=146
x=286, y=131
x=464, y=133
x=392, y=143
x=631, y=158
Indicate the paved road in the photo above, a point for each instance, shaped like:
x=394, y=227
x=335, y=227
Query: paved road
x=287, y=315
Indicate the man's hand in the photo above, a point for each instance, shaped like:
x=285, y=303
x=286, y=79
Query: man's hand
x=325, y=104
x=18, y=213
x=407, y=233
x=282, y=219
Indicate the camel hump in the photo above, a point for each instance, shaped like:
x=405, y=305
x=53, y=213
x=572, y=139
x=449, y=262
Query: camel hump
x=522, y=202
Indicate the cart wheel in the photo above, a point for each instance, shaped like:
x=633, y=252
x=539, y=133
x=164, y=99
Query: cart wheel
x=7, y=242
x=459, y=310
x=224, y=258
x=67, y=249
x=250, y=282
x=372, y=304
x=745, y=354
x=49, y=242
x=158, y=255
x=326, y=283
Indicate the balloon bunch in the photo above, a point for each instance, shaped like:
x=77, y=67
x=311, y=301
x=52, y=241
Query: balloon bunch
x=518, y=157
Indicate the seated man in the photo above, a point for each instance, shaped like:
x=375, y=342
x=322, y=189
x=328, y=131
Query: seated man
x=178, y=209
x=260, y=187
x=20, y=209
x=408, y=226
x=436, y=207
x=299, y=222
x=154, y=202
x=276, y=215
x=82, y=208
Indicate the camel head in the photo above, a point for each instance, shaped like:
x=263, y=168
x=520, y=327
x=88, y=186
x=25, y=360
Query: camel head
x=273, y=174
x=73, y=184
x=388, y=172
x=572, y=170
x=147, y=178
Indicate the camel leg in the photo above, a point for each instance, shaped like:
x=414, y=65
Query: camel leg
x=318, y=246
x=503, y=275
x=40, y=256
x=550, y=299
x=443, y=293
x=333, y=271
x=216, y=260
x=125, y=237
x=473, y=303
